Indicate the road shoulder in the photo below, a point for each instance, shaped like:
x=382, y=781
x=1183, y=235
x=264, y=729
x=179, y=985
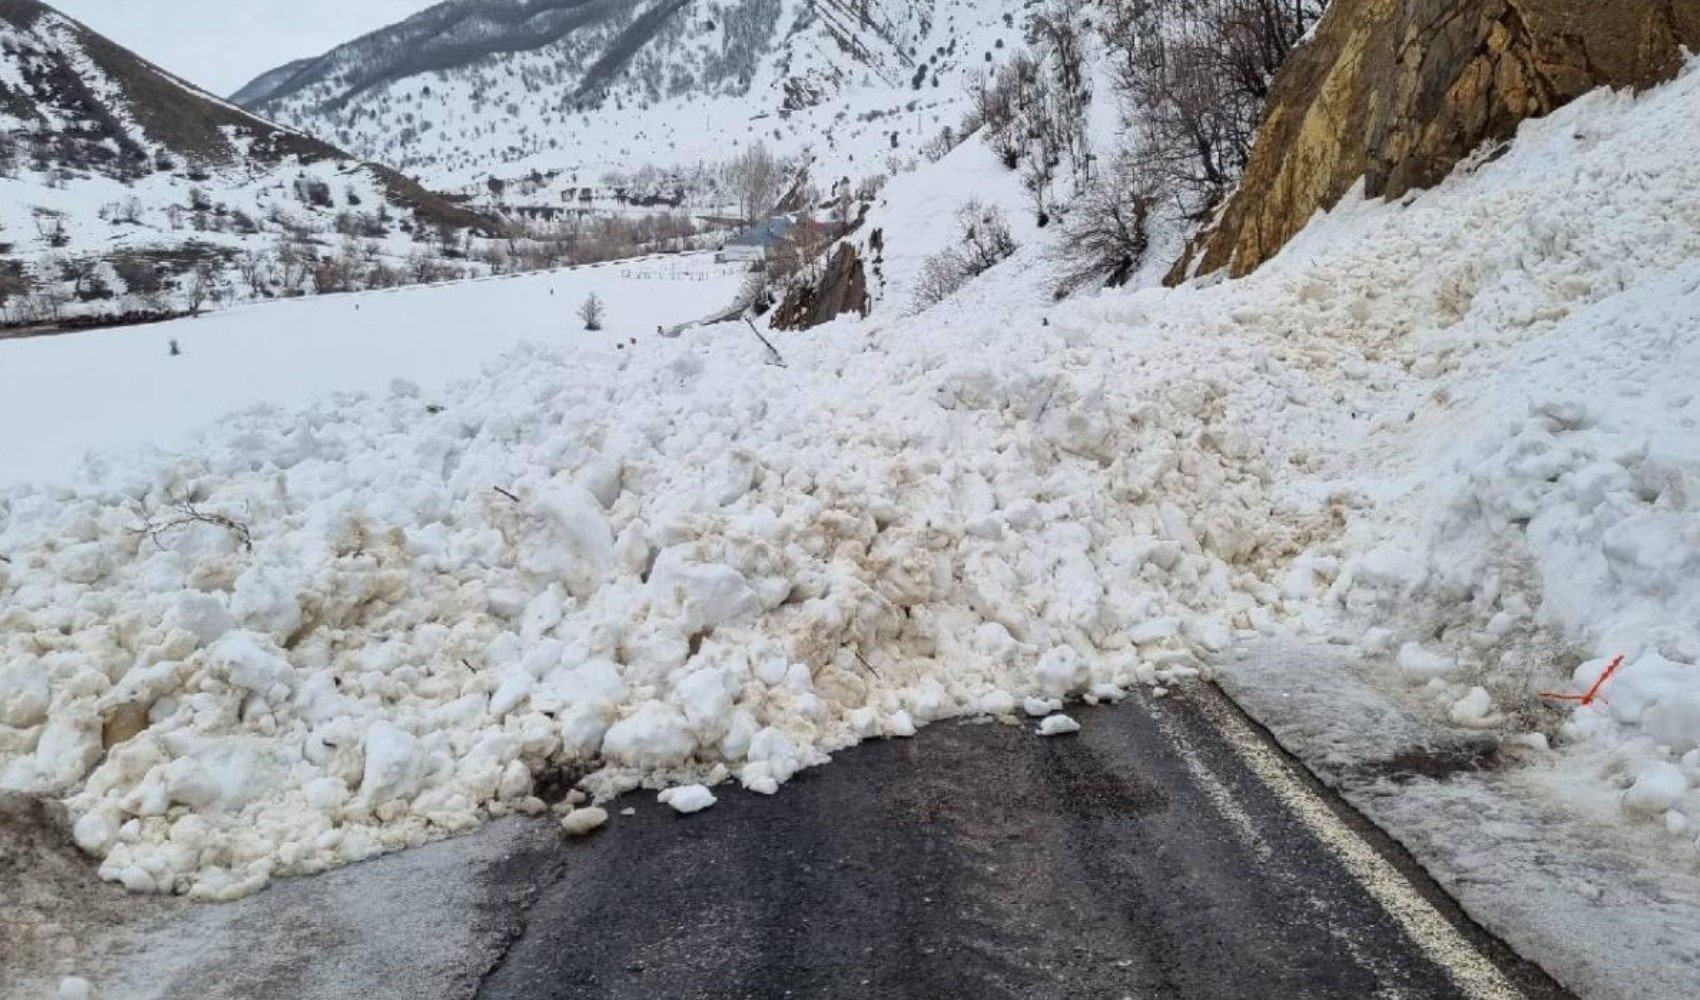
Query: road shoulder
x=1605, y=909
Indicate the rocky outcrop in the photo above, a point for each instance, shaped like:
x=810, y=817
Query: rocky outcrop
x=842, y=288
x=1397, y=92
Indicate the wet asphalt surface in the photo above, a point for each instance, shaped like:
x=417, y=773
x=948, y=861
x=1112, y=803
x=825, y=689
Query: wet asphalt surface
x=983, y=862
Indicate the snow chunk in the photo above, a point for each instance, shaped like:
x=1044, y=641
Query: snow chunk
x=1658, y=786
x=656, y=735
x=24, y=693
x=1421, y=663
x=396, y=765
x=1038, y=708
x=1475, y=710
x=1062, y=671
x=1058, y=725
x=688, y=798
x=203, y=615
x=570, y=539
x=225, y=775
x=247, y=660
x=581, y=821
x=701, y=595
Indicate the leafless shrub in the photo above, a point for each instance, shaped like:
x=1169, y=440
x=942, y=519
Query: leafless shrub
x=984, y=240
x=16, y=285
x=258, y=271
x=592, y=312
x=1034, y=108
x=294, y=263
x=942, y=275
x=1106, y=233
x=332, y=275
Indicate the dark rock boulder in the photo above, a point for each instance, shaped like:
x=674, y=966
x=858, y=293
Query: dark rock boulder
x=842, y=288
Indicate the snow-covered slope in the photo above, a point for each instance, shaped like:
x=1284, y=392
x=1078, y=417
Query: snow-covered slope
x=477, y=88
x=119, y=181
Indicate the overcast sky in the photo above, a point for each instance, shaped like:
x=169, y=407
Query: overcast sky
x=222, y=44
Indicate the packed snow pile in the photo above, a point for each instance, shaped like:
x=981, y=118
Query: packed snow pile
x=1455, y=431
x=1552, y=521
x=320, y=635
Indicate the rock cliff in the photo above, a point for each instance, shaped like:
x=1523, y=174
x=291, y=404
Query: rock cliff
x=1397, y=92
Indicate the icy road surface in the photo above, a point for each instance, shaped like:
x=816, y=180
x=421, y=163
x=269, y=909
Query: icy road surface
x=1165, y=851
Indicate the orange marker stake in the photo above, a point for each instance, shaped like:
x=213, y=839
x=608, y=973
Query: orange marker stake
x=1593, y=692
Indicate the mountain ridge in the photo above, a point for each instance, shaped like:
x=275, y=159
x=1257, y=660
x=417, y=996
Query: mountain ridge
x=469, y=89
x=127, y=191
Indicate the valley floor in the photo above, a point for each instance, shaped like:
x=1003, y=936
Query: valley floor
x=1453, y=439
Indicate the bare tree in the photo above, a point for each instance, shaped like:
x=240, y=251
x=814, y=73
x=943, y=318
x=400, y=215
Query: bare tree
x=257, y=271
x=330, y=276
x=754, y=179
x=46, y=302
x=16, y=285
x=141, y=278
x=202, y=287
x=592, y=312
x=294, y=263
x=1194, y=75
x=81, y=272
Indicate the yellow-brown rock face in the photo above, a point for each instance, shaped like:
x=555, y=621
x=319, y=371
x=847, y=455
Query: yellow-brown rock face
x=1397, y=92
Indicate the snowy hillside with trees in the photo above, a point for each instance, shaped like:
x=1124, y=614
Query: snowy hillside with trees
x=125, y=191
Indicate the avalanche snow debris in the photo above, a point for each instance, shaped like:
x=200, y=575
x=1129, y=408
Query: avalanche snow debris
x=719, y=569
x=406, y=652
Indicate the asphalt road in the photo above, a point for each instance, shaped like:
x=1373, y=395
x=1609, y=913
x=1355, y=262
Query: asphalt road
x=1166, y=851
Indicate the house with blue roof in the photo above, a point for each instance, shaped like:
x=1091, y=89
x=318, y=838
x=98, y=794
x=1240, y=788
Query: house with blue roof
x=757, y=243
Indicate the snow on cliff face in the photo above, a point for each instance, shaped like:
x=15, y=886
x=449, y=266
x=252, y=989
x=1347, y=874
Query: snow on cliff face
x=1456, y=427
x=476, y=88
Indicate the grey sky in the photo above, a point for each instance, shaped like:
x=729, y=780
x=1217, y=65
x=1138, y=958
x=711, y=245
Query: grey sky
x=222, y=44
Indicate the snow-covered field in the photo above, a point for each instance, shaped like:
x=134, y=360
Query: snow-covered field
x=118, y=390
x=1456, y=434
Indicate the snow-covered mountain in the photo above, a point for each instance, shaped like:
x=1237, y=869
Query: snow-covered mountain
x=122, y=185
x=473, y=88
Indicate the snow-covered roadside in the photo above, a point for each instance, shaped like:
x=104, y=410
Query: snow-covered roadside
x=1550, y=522
x=680, y=564
x=1613, y=913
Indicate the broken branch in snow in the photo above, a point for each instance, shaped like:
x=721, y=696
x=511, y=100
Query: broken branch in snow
x=778, y=358
x=183, y=514
x=505, y=493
